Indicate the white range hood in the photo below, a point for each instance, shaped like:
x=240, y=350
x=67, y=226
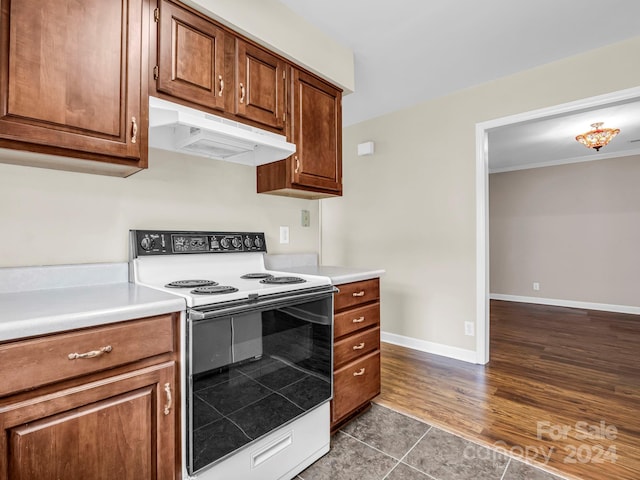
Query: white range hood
x=186, y=130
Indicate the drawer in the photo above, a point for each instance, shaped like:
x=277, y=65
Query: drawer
x=354, y=346
x=32, y=363
x=356, y=319
x=355, y=384
x=356, y=293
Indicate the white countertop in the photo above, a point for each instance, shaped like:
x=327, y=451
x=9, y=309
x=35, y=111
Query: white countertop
x=49, y=299
x=46, y=299
x=38, y=312
x=307, y=263
x=338, y=275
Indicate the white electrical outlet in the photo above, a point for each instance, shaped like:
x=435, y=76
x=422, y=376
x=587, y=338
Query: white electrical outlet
x=284, y=234
x=469, y=328
x=536, y=286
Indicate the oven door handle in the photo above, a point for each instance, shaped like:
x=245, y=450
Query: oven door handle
x=262, y=303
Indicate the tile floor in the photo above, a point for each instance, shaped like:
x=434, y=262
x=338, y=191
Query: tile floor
x=385, y=445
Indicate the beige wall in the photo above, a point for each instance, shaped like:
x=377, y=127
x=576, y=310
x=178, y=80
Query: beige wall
x=410, y=208
x=575, y=229
x=271, y=23
x=51, y=217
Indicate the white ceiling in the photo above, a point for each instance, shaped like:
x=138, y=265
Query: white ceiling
x=409, y=51
x=551, y=140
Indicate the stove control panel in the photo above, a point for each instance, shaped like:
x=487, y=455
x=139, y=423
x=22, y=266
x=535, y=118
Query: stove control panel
x=162, y=242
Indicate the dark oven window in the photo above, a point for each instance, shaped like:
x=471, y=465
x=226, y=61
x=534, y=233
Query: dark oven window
x=254, y=372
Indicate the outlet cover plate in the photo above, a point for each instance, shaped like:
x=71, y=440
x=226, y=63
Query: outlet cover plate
x=469, y=328
x=305, y=218
x=284, y=234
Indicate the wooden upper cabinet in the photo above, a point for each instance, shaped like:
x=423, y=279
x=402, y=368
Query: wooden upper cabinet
x=260, y=85
x=314, y=124
x=316, y=129
x=71, y=79
x=191, y=57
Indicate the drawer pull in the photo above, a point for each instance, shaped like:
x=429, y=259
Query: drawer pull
x=358, y=320
x=358, y=294
x=359, y=347
x=167, y=407
x=221, y=85
x=359, y=372
x=91, y=354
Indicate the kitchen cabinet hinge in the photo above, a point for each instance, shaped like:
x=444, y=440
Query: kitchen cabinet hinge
x=156, y=15
x=156, y=72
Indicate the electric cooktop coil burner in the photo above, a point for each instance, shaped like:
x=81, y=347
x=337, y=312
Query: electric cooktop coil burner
x=256, y=275
x=283, y=280
x=191, y=284
x=214, y=290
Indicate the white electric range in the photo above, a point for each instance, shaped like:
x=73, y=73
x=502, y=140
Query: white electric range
x=257, y=353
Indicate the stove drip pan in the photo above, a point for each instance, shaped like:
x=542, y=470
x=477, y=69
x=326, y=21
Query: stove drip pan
x=282, y=280
x=214, y=290
x=256, y=275
x=190, y=283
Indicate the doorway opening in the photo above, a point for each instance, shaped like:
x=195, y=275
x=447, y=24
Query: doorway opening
x=482, y=196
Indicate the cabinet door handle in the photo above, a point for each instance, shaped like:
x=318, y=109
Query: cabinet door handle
x=358, y=294
x=360, y=346
x=167, y=407
x=297, y=163
x=221, y=85
x=91, y=354
x=241, y=93
x=359, y=372
x=358, y=320
x=134, y=130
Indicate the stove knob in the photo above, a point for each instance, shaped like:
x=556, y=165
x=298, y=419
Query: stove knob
x=147, y=243
x=248, y=242
x=225, y=243
x=259, y=242
x=236, y=242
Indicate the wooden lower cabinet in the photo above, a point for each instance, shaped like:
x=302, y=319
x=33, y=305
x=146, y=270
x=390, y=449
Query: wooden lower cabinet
x=356, y=346
x=118, y=423
x=356, y=384
x=356, y=349
x=113, y=428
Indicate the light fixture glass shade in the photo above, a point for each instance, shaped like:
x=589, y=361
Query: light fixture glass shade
x=598, y=137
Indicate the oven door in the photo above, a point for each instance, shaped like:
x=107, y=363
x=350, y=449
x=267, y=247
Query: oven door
x=253, y=367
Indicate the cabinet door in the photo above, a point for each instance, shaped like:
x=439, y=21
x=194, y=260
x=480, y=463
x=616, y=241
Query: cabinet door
x=190, y=57
x=122, y=427
x=354, y=385
x=316, y=131
x=260, y=94
x=70, y=76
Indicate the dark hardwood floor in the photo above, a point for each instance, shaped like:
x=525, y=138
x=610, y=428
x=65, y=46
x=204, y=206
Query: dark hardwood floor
x=562, y=389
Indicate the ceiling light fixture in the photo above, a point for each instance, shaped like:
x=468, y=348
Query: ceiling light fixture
x=598, y=137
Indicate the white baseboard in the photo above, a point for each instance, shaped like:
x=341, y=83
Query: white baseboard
x=606, y=307
x=430, y=347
